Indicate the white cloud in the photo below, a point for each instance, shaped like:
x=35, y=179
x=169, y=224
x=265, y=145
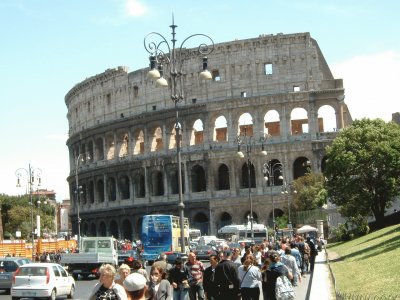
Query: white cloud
x=370, y=83
x=135, y=8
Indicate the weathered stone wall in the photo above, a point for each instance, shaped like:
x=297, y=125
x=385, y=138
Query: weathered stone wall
x=125, y=127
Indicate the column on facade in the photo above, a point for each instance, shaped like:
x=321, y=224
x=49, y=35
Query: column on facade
x=339, y=115
x=312, y=119
x=284, y=125
x=106, y=199
x=131, y=187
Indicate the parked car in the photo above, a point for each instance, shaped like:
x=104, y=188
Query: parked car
x=8, y=265
x=128, y=257
x=204, y=252
x=42, y=280
x=171, y=256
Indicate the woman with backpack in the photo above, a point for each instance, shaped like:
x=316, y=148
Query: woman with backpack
x=275, y=270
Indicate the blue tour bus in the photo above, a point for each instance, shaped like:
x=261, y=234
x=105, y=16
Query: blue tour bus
x=162, y=233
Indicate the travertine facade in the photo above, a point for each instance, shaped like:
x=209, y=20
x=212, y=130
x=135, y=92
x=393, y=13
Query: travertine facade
x=123, y=127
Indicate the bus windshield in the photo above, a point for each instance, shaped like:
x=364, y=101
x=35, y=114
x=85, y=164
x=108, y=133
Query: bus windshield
x=161, y=233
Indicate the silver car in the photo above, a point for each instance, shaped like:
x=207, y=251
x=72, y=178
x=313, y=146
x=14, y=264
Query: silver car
x=42, y=280
x=8, y=265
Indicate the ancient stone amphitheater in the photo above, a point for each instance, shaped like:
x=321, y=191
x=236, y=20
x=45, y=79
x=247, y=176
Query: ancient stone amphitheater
x=277, y=90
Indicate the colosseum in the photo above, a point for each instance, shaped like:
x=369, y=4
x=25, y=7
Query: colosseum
x=276, y=92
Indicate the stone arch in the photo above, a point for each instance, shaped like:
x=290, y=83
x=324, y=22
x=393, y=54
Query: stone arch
x=245, y=124
x=99, y=149
x=276, y=213
x=114, y=229
x=91, y=191
x=323, y=164
x=174, y=182
x=157, y=140
x=272, y=123
x=102, y=229
x=172, y=138
x=90, y=151
x=246, y=217
x=85, y=229
x=111, y=189
x=93, y=230
x=223, y=178
x=140, y=186
x=123, y=186
x=157, y=183
x=123, y=143
x=83, y=195
x=299, y=121
x=110, y=146
x=198, y=179
x=201, y=221
x=126, y=230
x=138, y=227
x=100, y=190
x=197, y=134
x=274, y=176
x=245, y=176
x=139, y=142
x=326, y=119
x=301, y=166
x=220, y=129
x=224, y=219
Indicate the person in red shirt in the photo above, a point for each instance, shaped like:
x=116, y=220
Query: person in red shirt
x=196, y=267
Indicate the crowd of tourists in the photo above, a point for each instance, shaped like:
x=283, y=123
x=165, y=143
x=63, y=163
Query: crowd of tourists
x=245, y=272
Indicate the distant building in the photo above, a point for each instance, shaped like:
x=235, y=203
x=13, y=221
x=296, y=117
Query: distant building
x=64, y=223
x=396, y=117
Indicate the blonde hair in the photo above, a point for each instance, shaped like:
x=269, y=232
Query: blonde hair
x=124, y=267
x=108, y=270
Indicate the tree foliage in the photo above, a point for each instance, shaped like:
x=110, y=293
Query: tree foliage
x=311, y=193
x=363, y=168
x=17, y=214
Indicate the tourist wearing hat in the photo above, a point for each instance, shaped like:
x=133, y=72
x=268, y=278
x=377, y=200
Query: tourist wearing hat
x=135, y=286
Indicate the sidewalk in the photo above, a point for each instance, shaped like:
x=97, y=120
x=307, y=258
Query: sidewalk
x=321, y=283
x=318, y=285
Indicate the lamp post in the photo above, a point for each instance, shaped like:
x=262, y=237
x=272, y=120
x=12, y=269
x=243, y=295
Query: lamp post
x=270, y=169
x=34, y=178
x=248, y=142
x=78, y=191
x=286, y=190
x=174, y=59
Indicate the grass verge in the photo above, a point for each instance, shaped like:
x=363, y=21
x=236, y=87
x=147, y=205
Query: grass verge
x=369, y=265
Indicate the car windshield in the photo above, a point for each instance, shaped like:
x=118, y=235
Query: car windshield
x=204, y=248
x=32, y=271
x=8, y=266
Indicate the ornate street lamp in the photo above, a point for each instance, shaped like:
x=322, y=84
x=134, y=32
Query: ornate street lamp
x=33, y=176
x=248, y=142
x=78, y=191
x=286, y=190
x=173, y=58
x=272, y=170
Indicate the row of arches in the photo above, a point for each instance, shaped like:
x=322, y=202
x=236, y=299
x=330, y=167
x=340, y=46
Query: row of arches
x=160, y=181
x=162, y=137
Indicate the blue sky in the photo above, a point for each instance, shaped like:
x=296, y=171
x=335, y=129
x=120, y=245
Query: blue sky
x=50, y=45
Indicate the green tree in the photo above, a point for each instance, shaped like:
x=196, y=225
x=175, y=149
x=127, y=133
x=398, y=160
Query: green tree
x=311, y=192
x=363, y=168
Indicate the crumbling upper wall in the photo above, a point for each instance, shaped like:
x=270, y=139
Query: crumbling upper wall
x=239, y=68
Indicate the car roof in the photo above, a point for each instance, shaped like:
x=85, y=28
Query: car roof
x=13, y=258
x=42, y=264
